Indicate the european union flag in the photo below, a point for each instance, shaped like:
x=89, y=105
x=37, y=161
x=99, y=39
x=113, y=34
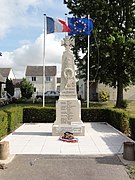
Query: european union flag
x=80, y=26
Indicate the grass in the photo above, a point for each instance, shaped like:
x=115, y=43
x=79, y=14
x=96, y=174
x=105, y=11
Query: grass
x=131, y=108
x=131, y=170
x=98, y=104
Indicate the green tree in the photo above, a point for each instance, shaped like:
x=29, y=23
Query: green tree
x=9, y=87
x=27, y=88
x=114, y=29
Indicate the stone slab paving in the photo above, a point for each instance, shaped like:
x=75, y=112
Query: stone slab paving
x=99, y=139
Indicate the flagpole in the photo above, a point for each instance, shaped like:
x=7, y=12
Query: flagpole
x=66, y=22
x=44, y=61
x=88, y=66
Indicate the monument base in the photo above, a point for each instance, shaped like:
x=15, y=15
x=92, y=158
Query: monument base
x=77, y=129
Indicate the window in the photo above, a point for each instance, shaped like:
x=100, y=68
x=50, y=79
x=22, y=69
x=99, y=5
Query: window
x=33, y=78
x=48, y=78
x=34, y=89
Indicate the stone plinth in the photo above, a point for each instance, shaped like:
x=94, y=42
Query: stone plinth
x=68, y=118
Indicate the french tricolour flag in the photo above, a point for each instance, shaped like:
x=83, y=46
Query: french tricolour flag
x=56, y=25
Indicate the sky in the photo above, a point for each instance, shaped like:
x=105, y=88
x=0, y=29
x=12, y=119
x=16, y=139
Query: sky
x=22, y=34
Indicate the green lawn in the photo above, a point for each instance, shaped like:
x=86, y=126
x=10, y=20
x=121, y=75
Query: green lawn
x=131, y=108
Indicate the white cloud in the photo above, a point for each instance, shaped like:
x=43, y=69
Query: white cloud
x=27, y=14
x=32, y=54
x=15, y=13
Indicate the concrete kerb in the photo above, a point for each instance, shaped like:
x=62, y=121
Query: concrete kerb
x=126, y=162
x=8, y=160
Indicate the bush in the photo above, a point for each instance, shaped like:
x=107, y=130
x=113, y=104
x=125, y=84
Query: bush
x=104, y=95
x=116, y=117
x=3, y=124
x=15, y=116
x=132, y=126
x=124, y=104
x=39, y=115
x=119, y=119
x=94, y=115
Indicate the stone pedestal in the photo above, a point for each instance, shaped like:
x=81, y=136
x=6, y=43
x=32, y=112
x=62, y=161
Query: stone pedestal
x=68, y=118
x=68, y=107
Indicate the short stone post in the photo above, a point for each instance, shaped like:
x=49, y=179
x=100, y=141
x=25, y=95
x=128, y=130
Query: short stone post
x=129, y=151
x=4, y=150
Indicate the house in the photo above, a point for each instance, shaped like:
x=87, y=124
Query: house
x=34, y=74
x=2, y=80
x=95, y=88
x=17, y=91
x=58, y=83
x=6, y=73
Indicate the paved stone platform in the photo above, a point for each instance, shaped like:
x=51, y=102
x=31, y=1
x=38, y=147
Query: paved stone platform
x=99, y=139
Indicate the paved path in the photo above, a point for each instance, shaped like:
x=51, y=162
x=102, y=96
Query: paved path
x=99, y=139
x=52, y=167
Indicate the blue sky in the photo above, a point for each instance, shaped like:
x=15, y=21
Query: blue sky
x=21, y=34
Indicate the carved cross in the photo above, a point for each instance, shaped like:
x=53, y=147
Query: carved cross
x=67, y=43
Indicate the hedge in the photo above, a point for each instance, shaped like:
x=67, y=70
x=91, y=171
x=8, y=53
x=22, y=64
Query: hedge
x=10, y=119
x=39, y=115
x=132, y=127
x=116, y=117
x=15, y=116
x=3, y=124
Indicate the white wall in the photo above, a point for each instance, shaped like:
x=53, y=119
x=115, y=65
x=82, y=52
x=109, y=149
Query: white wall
x=17, y=93
x=11, y=75
x=51, y=85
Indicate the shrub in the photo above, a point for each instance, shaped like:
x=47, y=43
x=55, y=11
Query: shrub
x=132, y=126
x=94, y=115
x=15, y=116
x=124, y=103
x=119, y=119
x=104, y=95
x=116, y=117
x=3, y=124
x=39, y=115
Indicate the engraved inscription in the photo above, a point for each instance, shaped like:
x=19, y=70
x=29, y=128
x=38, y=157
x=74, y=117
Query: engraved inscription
x=67, y=112
x=70, y=129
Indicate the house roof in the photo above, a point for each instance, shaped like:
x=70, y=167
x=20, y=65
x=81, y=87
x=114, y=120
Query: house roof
x=5, y=72
x=2, y=79
x=38, y=71
x=16, y=82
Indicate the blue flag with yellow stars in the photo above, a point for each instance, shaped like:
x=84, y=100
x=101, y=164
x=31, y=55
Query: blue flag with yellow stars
x=80, y=26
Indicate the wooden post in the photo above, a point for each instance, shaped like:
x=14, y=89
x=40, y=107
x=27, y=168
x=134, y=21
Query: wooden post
x=4, y=150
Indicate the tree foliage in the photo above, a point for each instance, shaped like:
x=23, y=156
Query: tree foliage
x=27, y=88
x=114, y=32
x=9, y=87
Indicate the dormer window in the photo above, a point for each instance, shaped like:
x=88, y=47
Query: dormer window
x=48, y=79
x=33, y=78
